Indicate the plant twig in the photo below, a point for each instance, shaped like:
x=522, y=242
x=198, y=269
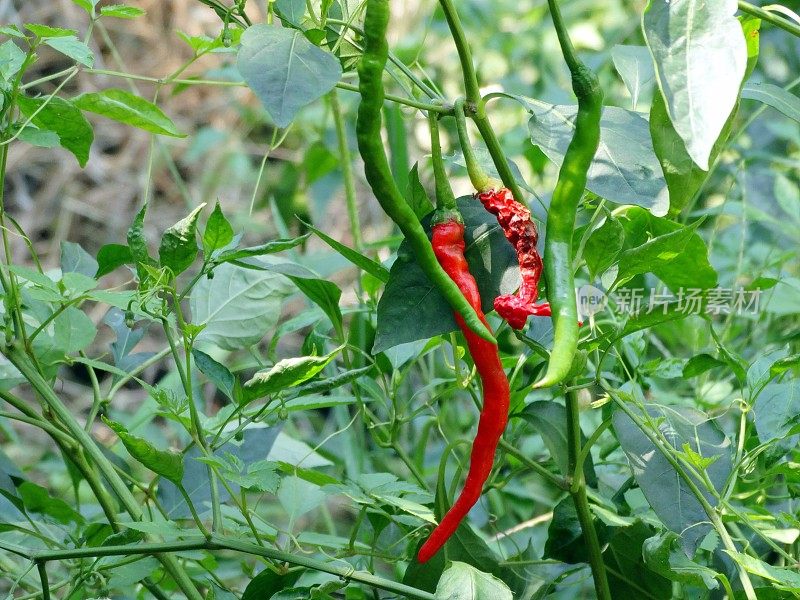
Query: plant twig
x=769, y=17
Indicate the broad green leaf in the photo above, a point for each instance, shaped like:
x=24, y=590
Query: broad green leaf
x=75, y=259
x=121, y=11
x=412, y=309
x=298, y=496
x=787, y=579
x=291, y=11
x=603, y=246
x=331, y=383
x=700, y=56
x=130, y=573
x=218, y=373
x=625, y=169
x=238, y=306
x=39, y=137
x=112, y=256
x=667, y=493
x=11, y=60
x=699, y=364
x=70, y=332
x=285, y=375
x=628, y=575
x=268, y=583
x=654, y=254
x=775, y=411
x=285, y=70
x=364, y=263
x=635, y=66
x=72, y=47
x=464, y=582
x=166, y=463
x=178, y=247
x=324, y=294
x=87, y=5
x=127, y=108
x=774, y=96
x=9, y=375
x=662, y=556
x=62, y=117
x=36, y=499
x=218, y=232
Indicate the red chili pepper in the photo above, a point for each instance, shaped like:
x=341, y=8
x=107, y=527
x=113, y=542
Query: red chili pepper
x=448, y=245
x=520, y=230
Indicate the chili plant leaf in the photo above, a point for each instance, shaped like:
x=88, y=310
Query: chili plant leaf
x=635, y=66
x=464, y=582
x=774, y=96
x=178, y=247
x=121, y=11
x=72, y=47
x=603, y=246
x=75, y=259
x=662, y=556
x=216, y=372
x=166, y=463
x=62, y=117
x=284, y=375
x=285, y=70
x=701, y=57
x=261, y=250
x=130, y=109
x=237, y=306
x=112, y=256
x=11, y=59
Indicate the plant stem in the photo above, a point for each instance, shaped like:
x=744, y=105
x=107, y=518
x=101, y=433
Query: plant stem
x=429, y=106
x=42, y=567
x=578, y=492
x=346, y=163
x=225, y=543
x=477, y=176
x=769, y=17
x=21, y=361
x=533, y=465
x=464, y=54
x=445, y=199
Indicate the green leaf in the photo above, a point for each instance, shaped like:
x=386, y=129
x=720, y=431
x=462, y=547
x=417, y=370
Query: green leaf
x=112, y=256
x=61, y=116
x=178, y=247
x=625, y=169
x=291, y=11
x=121, y=11
x=786, y=579
x=324, y=386
x=218, y=373
x=39, y=137
x=364, y=263
x=218, y=232
x=667, y=493
x=75, y=259
x=87, y=5
x=11, y=60
x=774, y=96
x=285, y=70
x=166, y=463
x=72, y=47
x=662, y=556
x=603, y=246
x=37, y=500
x=268, y=583
x=416, y=196
x=699, y=364
x=127, y=108
x=127, y=575
x=701, y=57
x=324, y=294
x=412, y=309
x=774, y=412
x=284, y=375
x=45, y=31
x=238, y=306
x=298, y=496
x=635, y=66
x=261, y=250
x=464, y=582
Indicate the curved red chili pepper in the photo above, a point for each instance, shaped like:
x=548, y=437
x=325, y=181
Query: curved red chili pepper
x=448, y=245
x=519, y=229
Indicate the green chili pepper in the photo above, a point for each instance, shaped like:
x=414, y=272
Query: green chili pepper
x=376, y=165
x=563, y=207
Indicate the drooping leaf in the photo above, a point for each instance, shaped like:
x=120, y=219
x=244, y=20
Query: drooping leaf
x=285, y=70
x=464, y=582
x=218, y=373
x=635, y=65
x=701, y=57
x=62, y=117
x=125, y=107
x=774, y=96
x=166, y=463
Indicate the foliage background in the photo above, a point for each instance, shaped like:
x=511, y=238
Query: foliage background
x=753, y=227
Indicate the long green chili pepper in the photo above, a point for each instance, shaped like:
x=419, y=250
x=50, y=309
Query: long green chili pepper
x=376, y=165
x=563, y=207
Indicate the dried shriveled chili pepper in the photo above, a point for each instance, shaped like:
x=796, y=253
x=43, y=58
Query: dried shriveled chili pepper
x=519, y=229
x=448, y=245
x=563, y=208
x=517, y=224
x=376, y=165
